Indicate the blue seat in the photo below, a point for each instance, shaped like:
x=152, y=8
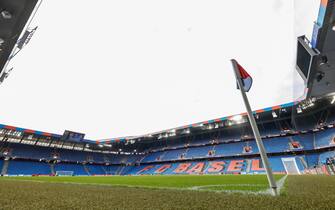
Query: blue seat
x=16, y=167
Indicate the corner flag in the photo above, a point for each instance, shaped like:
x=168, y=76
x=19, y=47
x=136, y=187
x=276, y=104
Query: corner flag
x=244, y=82
x=245, y=78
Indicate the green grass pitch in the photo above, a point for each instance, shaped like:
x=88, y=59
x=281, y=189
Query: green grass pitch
x=253, y=183
x=165, y=192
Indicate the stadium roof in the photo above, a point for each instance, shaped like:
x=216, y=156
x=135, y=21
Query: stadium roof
x=120, y=139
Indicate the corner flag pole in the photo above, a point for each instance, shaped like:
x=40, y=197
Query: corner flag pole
x=255, y=130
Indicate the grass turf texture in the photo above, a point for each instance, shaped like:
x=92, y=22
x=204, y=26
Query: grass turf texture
x=252, y=183
x=300, y=192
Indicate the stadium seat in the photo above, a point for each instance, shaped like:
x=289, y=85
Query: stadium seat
x=17, y=167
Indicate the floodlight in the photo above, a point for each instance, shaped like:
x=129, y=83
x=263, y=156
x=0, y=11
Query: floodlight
x=237, y=118
x=299, y=110
x=333, y=100
x=6, y=15
x=274, y=114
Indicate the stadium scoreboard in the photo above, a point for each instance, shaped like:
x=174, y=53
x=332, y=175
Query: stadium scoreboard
x=316, y=59
x=72, y=136
x=306, y=58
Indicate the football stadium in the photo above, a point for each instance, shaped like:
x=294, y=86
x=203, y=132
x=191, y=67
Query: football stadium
x=279, y=157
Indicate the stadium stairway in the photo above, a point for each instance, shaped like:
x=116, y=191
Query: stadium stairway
x=140, y=160
x=248, y=169
x=87, y=170
x=162, y=155
x=5, y=167
x=303, y=162
x=119, y=170
x=104, y=169
x=52, y=168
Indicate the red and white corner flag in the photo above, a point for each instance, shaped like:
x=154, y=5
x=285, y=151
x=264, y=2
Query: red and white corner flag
x=246, y=79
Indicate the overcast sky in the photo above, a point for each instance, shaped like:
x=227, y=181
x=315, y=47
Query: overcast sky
x=113, y=68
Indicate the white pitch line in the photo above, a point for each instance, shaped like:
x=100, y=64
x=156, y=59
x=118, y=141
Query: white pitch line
x=225, y=185
x=280, y=184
